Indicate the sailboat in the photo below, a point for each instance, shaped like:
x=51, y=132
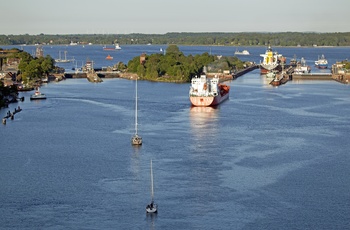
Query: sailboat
x=152, y=207
x=65, y=60
x=136, y=139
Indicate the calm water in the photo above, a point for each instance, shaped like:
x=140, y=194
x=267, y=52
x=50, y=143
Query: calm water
x=268, y=158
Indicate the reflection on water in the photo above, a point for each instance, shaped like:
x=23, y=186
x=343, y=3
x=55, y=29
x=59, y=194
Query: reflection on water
x=151, y=218
x=265, y=81
x=135, y=161
x=203, y=121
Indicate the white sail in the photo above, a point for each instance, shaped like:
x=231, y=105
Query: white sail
x=152, y=207
x=136, y=139
x=136, y=108
x=152, y=190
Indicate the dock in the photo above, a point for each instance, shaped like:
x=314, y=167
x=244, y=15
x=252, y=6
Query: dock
x=312, y=76
x=244, y=71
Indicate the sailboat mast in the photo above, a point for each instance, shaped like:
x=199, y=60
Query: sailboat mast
x=152, y=192
x=136, y=109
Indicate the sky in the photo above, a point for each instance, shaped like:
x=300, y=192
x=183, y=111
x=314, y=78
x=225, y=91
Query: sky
x=164, y=16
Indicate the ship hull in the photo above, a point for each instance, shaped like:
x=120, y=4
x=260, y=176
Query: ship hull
x=41, y=97
x=264, y=69
x=322, y=66
x=205, y=101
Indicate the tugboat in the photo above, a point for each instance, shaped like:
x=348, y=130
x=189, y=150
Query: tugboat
x=38, y=95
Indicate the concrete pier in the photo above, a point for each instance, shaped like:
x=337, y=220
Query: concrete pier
x=244, y=71
x=312, y=76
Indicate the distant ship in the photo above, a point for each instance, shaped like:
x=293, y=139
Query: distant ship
x=301, y=67
x=65, y=60
x=117, y=47
x=271, y=61
x=244, y=52
x=321, y=63
x=205, y=92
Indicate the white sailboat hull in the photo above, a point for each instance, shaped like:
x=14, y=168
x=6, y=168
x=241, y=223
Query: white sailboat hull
x=136, y=140
x=152, y=210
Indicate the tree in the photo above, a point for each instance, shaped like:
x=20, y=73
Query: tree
x=33, y=70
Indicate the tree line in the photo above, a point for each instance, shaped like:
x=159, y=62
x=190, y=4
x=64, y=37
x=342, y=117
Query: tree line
x=227, y=39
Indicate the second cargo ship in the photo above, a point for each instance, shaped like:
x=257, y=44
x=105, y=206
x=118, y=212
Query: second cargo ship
x=207, y=92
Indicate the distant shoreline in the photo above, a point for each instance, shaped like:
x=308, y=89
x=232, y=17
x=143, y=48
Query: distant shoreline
x=276, y=39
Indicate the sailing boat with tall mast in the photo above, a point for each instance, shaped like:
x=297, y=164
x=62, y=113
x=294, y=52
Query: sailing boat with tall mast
x=65, y=60
x=136, y=139
x=152, y=207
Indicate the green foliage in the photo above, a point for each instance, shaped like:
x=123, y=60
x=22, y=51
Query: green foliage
x=227, y=39
x=347, y=65
x=32, y=69
x=175, y=66
x=47, y=64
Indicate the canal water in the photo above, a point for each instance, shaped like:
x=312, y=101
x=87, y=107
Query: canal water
x=267, y=158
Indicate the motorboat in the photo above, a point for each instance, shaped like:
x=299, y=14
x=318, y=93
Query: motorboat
x=37, y=95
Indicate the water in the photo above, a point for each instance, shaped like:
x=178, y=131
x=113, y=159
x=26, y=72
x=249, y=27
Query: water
x=96, y=53
x=267, y=158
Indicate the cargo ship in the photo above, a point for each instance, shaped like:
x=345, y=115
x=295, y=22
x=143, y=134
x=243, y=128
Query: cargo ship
x=117, y=47
x=207, y=92
x=271, y=61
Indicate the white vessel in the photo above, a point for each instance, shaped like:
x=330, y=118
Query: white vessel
x=136, y=139
x=65, y=60
x=37, y=95
x=244, y=52
x=117, y=47
x=301, y=67
x=321, y=63
x=152, y=207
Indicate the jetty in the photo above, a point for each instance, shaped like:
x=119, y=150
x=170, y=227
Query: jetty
x=244, y=71
x=11, y=115
x=312, y=76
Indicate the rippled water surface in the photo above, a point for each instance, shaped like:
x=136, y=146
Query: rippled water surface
x=267, y=158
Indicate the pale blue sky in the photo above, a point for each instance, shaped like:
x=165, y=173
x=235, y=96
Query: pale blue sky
x=162, y=16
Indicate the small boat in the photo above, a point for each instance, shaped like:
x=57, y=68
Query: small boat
x=205, y=92
x=37, y=95
x=117, y=47
x=271, y=74
x=244, y=52
x=136, y=139
x=276, y=81
x=152, y=207
x=321, y=63
x=301, y=67
x=109, y=57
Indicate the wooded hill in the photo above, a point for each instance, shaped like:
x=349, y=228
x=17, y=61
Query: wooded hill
x=227, y=39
